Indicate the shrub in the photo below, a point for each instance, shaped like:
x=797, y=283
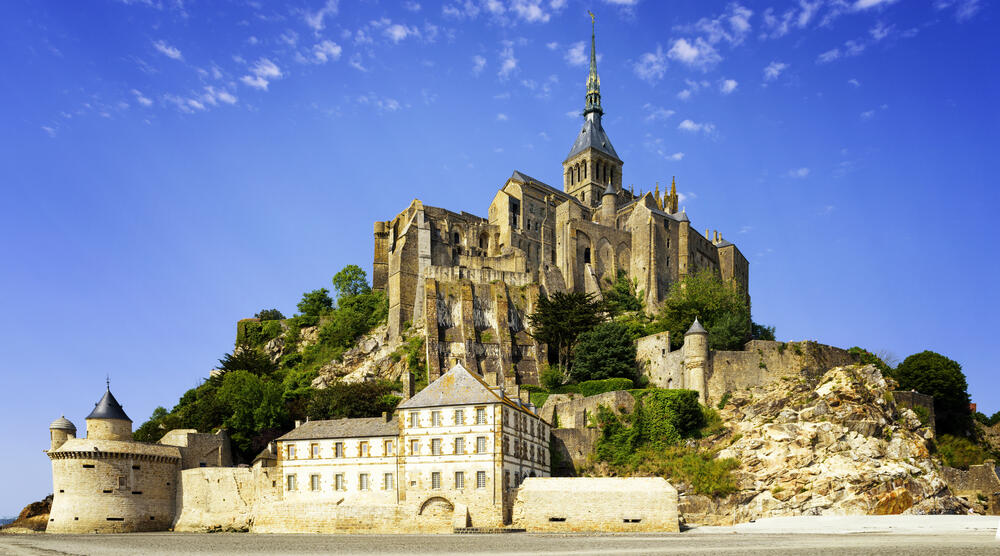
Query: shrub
x=595, y=387
x=360, y=399
x=315, y=303
x=251, y=360
x=961, y=452
x=725, y=399
x=622, y=297
x=552, y=377
x=705, y=473
x=936, y=375
x=923, y=414
x=606, y=351
x=269, y=314
x=868, y=358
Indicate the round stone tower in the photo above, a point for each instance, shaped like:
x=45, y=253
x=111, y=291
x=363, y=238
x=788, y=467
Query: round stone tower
x=108, y=420
x=609, y=211
x=696, y=359
x=60, y=431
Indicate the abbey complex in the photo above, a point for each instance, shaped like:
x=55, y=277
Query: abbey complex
x=469, y=452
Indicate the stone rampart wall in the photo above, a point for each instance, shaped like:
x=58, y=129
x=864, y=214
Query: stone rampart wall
x=574, y=411
x=572, y=448
x=980, y=481
x=596, y=504
x=224, y=498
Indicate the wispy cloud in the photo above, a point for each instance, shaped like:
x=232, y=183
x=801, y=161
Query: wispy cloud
x=964, y=9
x=508, y=63
x=727, y=86
x=263, y=72
x=315, y=19
x=501, y=117
x=50, y=131
x=167, y=50
x=697, y=54
x=398, y=32
x=797, y=173
x=854, y=82
x=576, y=56
x=325, y=51
x=141, y=99
x=478, y=63
x=654, y=113
x=868, y=4
x=773, y=70
x=694, y=127
x=382, y=104
x=651, y=65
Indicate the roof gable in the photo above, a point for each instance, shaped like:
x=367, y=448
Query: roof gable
x=456, y=387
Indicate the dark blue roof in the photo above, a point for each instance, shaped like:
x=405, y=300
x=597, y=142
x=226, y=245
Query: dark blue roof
x=108, y=408
x=592, y=135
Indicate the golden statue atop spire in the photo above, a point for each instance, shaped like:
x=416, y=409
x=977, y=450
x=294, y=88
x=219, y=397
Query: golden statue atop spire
x=593, y=80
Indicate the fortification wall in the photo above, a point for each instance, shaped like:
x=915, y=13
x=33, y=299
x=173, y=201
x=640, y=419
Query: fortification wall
x=572, y=448
x=596, y=504
x=212, y=498
x=574, y=411
x=980, y=480
x=911, y=400
x=432, y=516
x=200, y=449
x=764, y=362
x=112, y=493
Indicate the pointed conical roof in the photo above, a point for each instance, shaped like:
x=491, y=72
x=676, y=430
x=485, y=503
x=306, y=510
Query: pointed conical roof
x=696, y=328
x=62, y=423
x=610, y=189
x=108, y=408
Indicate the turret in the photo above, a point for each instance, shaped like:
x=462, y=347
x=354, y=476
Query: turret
x=609, y=211
x=60, y=431
x=108, y=420
x=696, y=359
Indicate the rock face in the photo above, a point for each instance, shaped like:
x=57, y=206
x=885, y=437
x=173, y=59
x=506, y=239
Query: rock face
x=374, y=357
x=841, y=448
x=34, y=517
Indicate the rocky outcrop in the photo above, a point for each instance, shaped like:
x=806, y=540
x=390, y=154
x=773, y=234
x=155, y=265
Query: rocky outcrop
x=841, y=448
x=33, y=518
x=374, y=357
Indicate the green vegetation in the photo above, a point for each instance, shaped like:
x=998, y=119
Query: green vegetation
x=622, y=296
x=257, y=395
x=960, y=452
x=560, y=319
x=869, y=358
x=647, y=441
x=725, y=399
x=721, y=308
x=936, y=375
x=987, y=421
x=605, y=351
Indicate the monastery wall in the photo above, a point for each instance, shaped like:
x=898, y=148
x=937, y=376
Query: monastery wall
x=563, y=505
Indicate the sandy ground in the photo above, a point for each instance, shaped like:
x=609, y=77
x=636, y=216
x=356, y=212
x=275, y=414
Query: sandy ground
x=922, y=535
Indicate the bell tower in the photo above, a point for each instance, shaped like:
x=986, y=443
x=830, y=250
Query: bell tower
x=592, y=164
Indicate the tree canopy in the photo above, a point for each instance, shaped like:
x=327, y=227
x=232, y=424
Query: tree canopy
x=931, y=373
x=350, y=281
x=315, y=303
x=605, y=351
x=559, y=319
x=269, y=314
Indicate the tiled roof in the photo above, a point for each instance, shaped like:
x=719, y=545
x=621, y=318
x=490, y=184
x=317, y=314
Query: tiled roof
x=344, y=428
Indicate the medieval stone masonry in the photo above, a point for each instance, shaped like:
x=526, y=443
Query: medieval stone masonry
x=472, y=280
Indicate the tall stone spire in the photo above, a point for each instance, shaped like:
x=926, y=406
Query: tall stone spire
x=593, y=80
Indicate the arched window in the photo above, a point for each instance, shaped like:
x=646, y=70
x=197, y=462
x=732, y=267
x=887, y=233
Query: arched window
x=455, y=238
x=586, y=255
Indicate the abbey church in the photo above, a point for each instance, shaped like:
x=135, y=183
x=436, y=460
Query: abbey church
x=472, y=281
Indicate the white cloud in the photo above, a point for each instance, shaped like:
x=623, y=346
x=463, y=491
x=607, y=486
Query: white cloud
x=853, y=48
x=49, y=130
x=854, y=82
x=773, y=70
x=552, y=45
x=745, y=229
x=694, y=127
x=397, y=32
x=532, y=11
x=797, y=173
x=964, y=9
x=867, y=114
x=656, y=112
x=699, y=54
x=651, y=65
x=355, y=62
x=727, y=86
x=167, y=50
x=325, y=51
x=141, y=99
x=622, y=2
x=776, y=26
x=867, y=4
x=263, y=71
x=676, y=156
x=828, y=56
x=733, y=25
x=508, y=63
x=214, y=96
x=501, y=117
x=478, y=63
x=315, y=19
x=575, y=56
x=382, y=104
x=684, y=94
x=880, y=31
x=412, y=6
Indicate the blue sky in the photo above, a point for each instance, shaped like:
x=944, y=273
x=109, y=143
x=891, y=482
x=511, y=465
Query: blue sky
x=169, y=166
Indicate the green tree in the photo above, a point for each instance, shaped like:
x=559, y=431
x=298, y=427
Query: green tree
x=995, y=419
x=622, y=297
x=605, y=351
x=254, y=405
x=558, y=321
x=721, y=308
x=269, y=314
x=247, y=359
x=761, y=332
x=359, y=399
x=350, y=281
x=936, y=375
x=315, y=303
x=153, y=429
x=868, y=358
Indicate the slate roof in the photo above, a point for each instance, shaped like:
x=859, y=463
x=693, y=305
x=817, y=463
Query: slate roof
x=344, y=428
x=525, y=178
x=62, y=423
x=592, y=135
x=108, y=408
x=456, y=387
x=696, y=328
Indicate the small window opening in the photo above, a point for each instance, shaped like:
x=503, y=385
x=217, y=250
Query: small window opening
x=586, y=255
x=88, y=466
x=557, y=519
x=633, y=520
x=106, y=491
x=116, y=519
x=135, y=467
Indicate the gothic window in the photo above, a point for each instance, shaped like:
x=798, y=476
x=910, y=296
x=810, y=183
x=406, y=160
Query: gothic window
x=586, y=255
x=455, y=238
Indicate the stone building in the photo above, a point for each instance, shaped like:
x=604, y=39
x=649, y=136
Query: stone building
x=473, y=280
x=108, y=483
x=455, y=451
